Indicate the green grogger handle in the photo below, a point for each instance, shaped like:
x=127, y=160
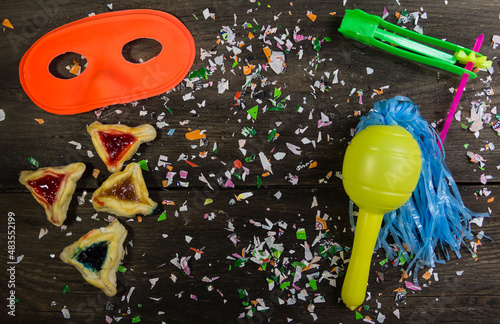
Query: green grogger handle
x=373, y=30
x=380, y=171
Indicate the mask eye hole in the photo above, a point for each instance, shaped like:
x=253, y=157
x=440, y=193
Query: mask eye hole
x=141, y=50
x=67, y=65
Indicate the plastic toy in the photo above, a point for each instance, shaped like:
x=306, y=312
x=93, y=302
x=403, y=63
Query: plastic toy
x=461, y=87
x=108, y=78
x=380, y=171
x=373, y=30
x=433, y=222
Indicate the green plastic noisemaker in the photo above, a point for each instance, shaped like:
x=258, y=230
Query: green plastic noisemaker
x=380, y=171
x=373, y=30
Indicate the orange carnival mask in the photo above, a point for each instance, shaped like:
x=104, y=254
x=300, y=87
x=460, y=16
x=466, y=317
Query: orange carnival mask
x=108, y=78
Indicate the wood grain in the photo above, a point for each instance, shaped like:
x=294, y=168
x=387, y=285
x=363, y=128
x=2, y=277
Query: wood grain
x=464, y=297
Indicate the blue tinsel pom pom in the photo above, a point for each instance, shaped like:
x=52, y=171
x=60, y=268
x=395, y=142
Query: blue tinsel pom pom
x=434, y=221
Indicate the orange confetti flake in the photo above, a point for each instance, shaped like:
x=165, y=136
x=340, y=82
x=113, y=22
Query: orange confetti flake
x=164, y=183
x=250, y=35
x=191, y=164
x=75, y=69
x=139, y=219
x=426, y=275
x=39, y=120
x=313, y=165
x=265, y=174
x=267, y=52
x=195, y=135
x=95, y=173
x=491, y=200
x=237, y=164
x=379, y=92
x=311, y=16
x=7, y=23
x=196, y=250
x=247, y=70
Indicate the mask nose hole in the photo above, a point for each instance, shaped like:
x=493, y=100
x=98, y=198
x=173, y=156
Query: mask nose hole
x=141, y=50
x=67, y=65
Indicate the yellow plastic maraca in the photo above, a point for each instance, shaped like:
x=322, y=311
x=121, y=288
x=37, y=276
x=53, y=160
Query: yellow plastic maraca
x=380, y=171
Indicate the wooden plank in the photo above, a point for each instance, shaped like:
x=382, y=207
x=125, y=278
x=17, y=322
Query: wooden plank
x=469, y=295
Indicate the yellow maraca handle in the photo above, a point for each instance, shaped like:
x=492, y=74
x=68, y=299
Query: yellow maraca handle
x=381, y=169
x=367, y=228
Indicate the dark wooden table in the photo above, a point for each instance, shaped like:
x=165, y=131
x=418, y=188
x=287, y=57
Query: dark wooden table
x=219, y=289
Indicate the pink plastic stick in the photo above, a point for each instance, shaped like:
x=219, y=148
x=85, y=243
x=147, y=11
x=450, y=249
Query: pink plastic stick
x=461, y=87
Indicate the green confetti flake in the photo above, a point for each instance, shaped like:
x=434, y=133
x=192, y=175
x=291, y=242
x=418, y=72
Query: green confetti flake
x=216, y=148
x=272, y=135
x=359, y=316
x=144, y=165
x=300, y=264
x=250, y=158
x=248, y=132
x=301, y=234
x=316, y=44
x=313, y=284
x=367, y=307
x=33, y=161
x=239, y=263
x=139, y=305
x=253, y=112
x=466, y=145
x=264, y=266
x=402, y=259
x=242, y=293
x=235, y=63
x=259, y=182
x=279, y=107
x=383, y=262
x=201, y=73
x=163, y=216
x=136, y=319
x=277, y=93
x=328, y=39
x=122, y=269
x=169, y=110
x=284, y=285
x=464, y=126
x=65, y=289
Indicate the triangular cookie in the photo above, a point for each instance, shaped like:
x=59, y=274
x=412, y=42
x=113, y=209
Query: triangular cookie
x=53, y=188
x=115, y=144
x=124, y=194
x=97, y=255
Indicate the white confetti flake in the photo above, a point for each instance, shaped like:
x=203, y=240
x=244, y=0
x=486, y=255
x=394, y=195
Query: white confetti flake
x=153, y=281
x=294, y=149
x=207, y=14
x=77, y=145
x=65, y=313
x=43, y=232
x=130, y=294
x=2, y=115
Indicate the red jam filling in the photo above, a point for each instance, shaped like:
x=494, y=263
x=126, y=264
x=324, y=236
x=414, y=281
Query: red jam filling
x=116, y=143
x=124, y=190
x=47, y=186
